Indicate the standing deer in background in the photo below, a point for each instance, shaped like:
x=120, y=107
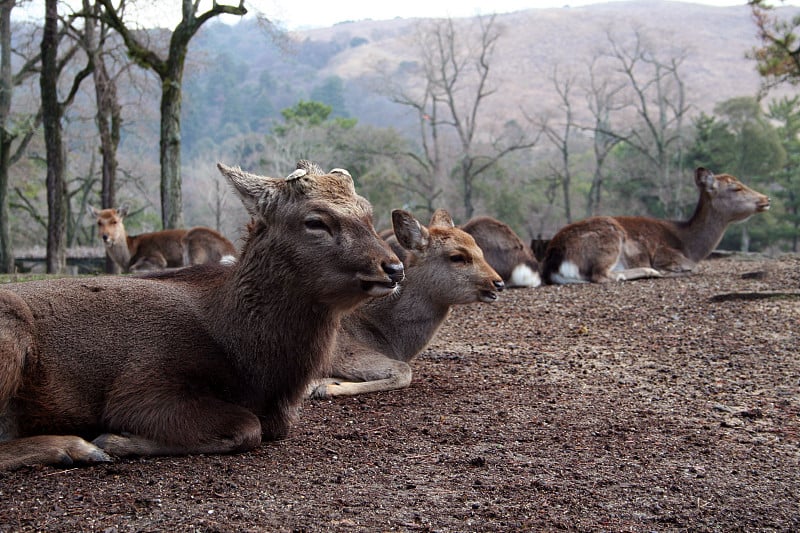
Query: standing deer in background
x=601, y=249
x=205, y=359
x=444, y=267
x=160, y=249
x=505, y=251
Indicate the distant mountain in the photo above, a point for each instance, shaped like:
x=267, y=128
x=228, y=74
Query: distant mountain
x=716, y=40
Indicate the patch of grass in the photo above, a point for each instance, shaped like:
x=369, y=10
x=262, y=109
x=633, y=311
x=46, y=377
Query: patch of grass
x=16, y=278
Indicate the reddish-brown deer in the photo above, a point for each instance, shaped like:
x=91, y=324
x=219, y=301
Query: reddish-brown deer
x=444, y=267
x=604, y=248
x=159, y=249
x=204, y=245
x=505, y=251
x=205, y=359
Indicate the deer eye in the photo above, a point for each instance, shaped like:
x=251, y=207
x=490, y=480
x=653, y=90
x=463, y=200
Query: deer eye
x=317, y=224
x=458, y=258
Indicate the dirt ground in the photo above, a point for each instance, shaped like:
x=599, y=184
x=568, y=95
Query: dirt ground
x=655, y=405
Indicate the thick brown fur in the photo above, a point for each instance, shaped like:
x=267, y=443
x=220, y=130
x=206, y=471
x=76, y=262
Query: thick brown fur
x=206, y=359
x=444, y=267
x=204, y=245
x=601, y=249
x=504, y=250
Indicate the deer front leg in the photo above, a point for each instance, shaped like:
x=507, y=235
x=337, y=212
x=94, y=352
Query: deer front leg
x=635, y=273
x=63, y=450
x=163, y=424
x=352, y=375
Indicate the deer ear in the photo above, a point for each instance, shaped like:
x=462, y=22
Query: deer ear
x=705, y=179
x=252, y=190
x=442, y=219
x=408, y=231
x=122, y=210
x=91, y=210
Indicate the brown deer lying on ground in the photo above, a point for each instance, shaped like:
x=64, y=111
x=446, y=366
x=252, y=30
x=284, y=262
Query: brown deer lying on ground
x=160, y=249
x=505, y=251
x=204, y=245
x=601, y=249
x=206, y=359
x=444, y=267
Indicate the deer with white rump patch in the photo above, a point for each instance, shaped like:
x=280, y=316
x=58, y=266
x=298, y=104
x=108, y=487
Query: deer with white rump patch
x=206, y=359
x=159, y=249
x=505, y=251
x=601, y=249
x=444, y=267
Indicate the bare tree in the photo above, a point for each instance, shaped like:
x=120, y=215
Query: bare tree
x=52, y=115
x=560, y=135
x=170, y=72
x=15, y=135
x=456, y=67
x=108, y=116
x=602, y=96
x=659, y=101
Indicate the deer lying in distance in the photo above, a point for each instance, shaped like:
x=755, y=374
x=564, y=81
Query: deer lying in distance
x=202, y=245
x=505, y=251
x=159, y=249
x=444, y=267
x=604, y=248
x=205, y=359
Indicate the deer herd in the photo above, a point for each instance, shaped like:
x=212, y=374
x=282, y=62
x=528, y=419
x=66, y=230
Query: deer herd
x=208, y=350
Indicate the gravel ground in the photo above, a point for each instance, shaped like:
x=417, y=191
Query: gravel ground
x=655, y=405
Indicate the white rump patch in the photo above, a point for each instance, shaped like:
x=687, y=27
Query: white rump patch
x=567, y=273
x=228, y=260
x=524, y=276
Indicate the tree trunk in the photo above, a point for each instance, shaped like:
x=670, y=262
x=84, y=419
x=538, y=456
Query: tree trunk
x=51, y=113
x=6, y=253
x=109, y=123
x=170, y=148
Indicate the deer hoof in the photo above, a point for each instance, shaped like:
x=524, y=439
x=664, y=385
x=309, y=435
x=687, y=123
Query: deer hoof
x=84, y=452
x=320, y=392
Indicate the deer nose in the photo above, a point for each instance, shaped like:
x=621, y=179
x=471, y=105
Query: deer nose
x=395, y=271
x=105, y=238
x=499, y=285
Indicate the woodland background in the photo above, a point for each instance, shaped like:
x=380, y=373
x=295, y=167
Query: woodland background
x=538, y=118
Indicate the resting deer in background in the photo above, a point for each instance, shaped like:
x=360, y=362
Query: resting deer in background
x=205, y=359
x=444, y=267
x=601, y=249
x=505, y=251
x=204, y=245
x=160, y=249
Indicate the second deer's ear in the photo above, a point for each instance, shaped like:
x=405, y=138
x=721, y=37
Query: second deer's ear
x=408, y=231
x=442, y=219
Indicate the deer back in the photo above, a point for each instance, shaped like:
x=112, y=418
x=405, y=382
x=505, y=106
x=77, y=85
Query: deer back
x=205, y=245
x=505, y=251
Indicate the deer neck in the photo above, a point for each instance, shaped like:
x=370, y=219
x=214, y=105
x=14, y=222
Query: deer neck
x=703, y=231
x=246, y=309
x=120, y=252
x=402, y=325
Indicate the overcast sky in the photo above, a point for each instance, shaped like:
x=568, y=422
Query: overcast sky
x=303, y=14
x=321, y=13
